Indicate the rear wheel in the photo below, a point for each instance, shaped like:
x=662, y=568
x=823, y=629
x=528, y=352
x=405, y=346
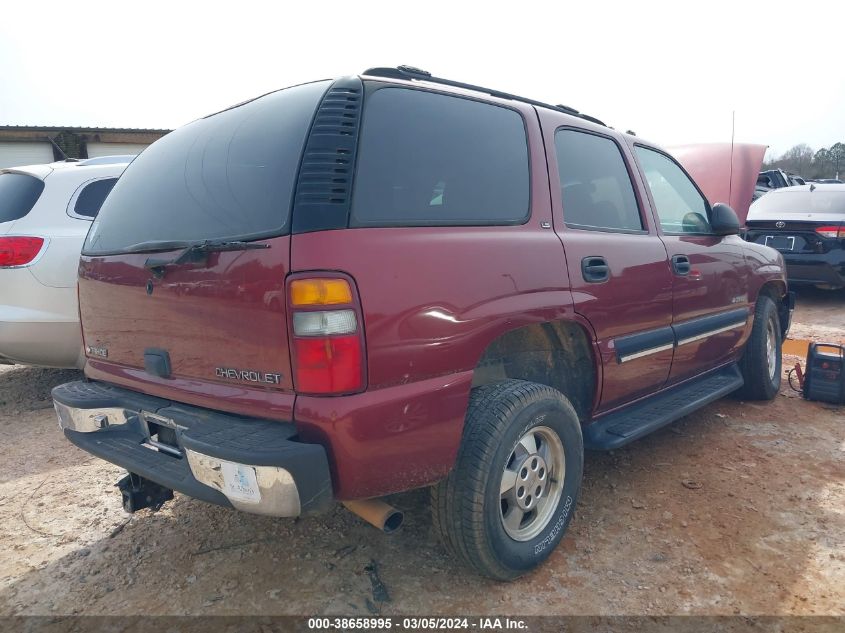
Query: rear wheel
x=761, y=360
x=508, y=500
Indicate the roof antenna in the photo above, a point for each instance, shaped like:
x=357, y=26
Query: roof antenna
x=733, y=132
x=56, y=146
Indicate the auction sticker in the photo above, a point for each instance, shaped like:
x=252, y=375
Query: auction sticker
x=240, y=483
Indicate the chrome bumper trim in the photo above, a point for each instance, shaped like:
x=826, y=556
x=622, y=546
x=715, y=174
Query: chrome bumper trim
x=90, y=420
x=278, y=495
x=277, y=491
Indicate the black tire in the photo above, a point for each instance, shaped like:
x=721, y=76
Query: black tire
x=467, y=506
x=760, y=383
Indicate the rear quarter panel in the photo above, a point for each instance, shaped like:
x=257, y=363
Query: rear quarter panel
x=433, y=298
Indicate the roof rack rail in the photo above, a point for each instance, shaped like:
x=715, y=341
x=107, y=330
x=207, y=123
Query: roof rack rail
x=410, y=72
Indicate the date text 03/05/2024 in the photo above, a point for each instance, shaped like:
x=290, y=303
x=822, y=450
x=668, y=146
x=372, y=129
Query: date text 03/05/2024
x=416, y=623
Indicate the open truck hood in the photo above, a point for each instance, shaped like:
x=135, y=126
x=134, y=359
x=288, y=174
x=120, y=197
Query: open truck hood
x=724, y=173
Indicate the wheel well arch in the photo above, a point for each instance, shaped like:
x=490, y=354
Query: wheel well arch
x=776, y=290
x=553, y=353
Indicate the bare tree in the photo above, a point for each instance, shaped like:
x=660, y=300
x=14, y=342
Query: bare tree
x=821, y=163
x=798, y=160
x=836, y=155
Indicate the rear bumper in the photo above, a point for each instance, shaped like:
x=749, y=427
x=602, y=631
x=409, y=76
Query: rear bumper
x=823, y=268
x=253, y=465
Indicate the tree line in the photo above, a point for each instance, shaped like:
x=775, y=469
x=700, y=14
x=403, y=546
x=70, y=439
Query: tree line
x=827, y=162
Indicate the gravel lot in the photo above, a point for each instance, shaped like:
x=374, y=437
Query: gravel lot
x=739, y=508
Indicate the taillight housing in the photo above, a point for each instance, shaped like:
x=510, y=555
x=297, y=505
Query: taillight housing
x=831, y=231
x=19, y=250
x=326, y=333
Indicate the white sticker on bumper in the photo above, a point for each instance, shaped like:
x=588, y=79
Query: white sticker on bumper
x=240, y=483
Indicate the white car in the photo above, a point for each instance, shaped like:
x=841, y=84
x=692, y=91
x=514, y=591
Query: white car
x=45, y=213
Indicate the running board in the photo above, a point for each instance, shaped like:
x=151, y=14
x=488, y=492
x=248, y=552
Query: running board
x=631, y=423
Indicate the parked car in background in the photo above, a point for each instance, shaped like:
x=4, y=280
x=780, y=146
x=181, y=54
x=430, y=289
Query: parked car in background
x=759, y=191
x=827, y=181
x=403, y=282
x=775, y=179
x=807, y=225
x=45, y=213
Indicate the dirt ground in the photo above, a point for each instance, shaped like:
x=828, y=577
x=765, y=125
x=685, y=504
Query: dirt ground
x=738, y=508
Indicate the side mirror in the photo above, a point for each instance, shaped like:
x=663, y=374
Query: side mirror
x=723, y=220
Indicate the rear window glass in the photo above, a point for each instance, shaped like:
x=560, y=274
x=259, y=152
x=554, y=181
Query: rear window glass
x=230, y=175
x=18, y=194
x=91, y=197
x=800, y=201
x=431, y=159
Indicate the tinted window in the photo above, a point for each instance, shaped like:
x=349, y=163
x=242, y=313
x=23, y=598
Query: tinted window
x=427, y=159
x=18, y=194
x=803, y=201
x=230, y=175
x=596, y=189
x=91, y=197
x=680, y=206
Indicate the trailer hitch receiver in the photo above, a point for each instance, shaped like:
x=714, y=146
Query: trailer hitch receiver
x=139, y=493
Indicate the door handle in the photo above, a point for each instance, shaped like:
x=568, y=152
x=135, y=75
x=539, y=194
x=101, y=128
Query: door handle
x=680, y=264
x=595, y=269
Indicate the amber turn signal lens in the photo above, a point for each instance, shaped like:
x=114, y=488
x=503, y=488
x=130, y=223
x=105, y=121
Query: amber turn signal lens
x=320, y=292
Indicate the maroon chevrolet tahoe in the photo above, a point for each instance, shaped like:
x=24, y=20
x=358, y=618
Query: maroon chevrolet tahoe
x=351, y=288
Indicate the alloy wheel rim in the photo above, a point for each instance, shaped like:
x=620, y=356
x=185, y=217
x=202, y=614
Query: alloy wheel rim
x=531, y=483
x=771, y=349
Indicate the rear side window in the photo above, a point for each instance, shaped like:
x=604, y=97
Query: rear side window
x=18, y=194
x=230, y=175
x=595, y=186
x=431, y=159
x=680, y=206
x=91, y=197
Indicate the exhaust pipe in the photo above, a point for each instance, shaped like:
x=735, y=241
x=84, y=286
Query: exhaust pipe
x=377, y=513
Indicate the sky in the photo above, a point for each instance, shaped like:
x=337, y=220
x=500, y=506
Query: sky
x=673, y=72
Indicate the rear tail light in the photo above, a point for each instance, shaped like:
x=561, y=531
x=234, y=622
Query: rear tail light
x=831, y=231
x=19, y=250
x=327, y=345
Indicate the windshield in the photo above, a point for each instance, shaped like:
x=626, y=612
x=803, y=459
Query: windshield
x=799, y=201
x=230, y=175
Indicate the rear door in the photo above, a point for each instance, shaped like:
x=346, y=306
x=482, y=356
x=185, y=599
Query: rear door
x=709, y=273
x=218, y=317
x=617, y=264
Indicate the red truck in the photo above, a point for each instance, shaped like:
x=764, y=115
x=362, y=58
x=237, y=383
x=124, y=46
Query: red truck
x=351, y=288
